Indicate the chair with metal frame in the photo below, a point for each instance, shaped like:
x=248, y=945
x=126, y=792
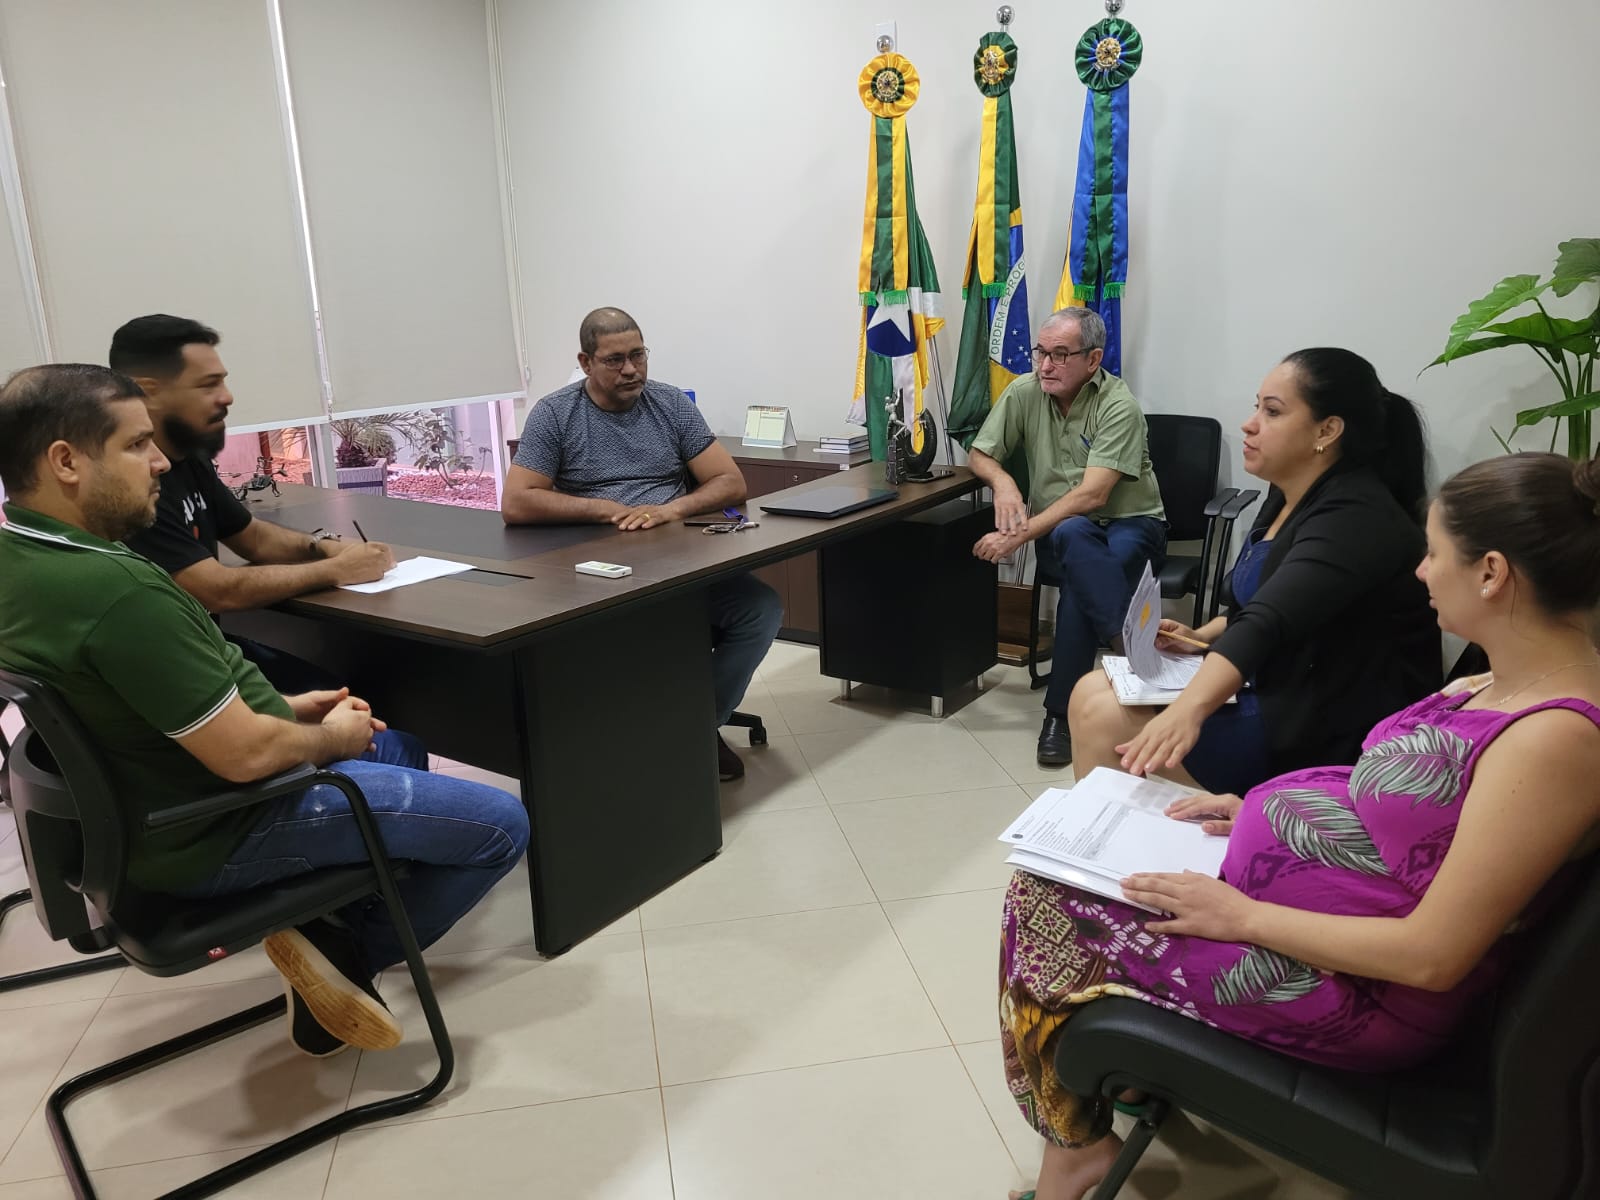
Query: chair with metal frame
x=75, y=840
x=16, y=899
x=1510, y=1109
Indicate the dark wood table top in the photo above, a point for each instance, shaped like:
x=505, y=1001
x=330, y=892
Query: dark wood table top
x=525, y=584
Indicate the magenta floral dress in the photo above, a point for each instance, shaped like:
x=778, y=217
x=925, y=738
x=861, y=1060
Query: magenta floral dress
x=1355, y=841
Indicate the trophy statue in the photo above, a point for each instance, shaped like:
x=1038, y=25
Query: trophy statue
x=906, y=465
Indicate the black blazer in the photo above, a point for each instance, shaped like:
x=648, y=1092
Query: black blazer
x=1339, y=633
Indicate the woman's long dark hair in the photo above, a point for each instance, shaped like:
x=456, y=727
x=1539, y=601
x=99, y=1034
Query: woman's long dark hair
x=1382, y=430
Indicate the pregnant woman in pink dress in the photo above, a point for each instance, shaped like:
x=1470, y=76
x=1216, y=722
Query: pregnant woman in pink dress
x=1360, y=910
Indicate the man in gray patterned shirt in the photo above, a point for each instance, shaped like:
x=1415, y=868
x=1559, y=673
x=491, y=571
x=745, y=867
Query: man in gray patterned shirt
x=618, y=448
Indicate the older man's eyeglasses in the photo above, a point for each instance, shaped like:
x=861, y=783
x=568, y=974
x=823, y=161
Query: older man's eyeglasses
x=1058, y=356
x=613, y=362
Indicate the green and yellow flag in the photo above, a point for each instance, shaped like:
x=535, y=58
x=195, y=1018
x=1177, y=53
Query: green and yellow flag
x=996, y=339
x=897, y=285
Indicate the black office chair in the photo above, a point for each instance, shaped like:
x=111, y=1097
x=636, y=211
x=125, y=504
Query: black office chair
x=744, y=720
x=17, y=899
x=1512, y=1110
x=1186, y=455
x=75, y=842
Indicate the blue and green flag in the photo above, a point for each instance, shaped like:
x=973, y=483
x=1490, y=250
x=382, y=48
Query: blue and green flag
x=1096, y=270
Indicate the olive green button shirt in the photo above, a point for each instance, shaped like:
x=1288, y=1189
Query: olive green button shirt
x=1104, y=427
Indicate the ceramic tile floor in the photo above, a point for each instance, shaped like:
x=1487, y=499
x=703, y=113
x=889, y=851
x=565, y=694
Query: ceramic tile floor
x=809, y=1015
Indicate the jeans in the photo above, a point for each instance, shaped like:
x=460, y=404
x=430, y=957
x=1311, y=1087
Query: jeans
x=745, y=616
x=460, y=838
x=1098, y=566
x=292, y=675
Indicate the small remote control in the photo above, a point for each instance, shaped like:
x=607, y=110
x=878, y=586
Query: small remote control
x=603, y=569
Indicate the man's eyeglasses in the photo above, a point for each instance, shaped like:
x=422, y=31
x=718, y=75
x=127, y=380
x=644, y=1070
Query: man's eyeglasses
x=1058, y=356
x=613, y=362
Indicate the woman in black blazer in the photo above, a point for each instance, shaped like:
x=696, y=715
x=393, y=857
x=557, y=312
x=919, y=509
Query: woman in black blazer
x=1329, y=628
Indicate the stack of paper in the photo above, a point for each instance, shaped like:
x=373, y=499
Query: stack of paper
x=1156, y=668
x=1131, y=689
x=1109, y=826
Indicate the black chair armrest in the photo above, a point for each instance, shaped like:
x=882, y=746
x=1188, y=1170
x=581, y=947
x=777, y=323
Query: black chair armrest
x=1243, y=500
x=1213, y=506
x=295, y=779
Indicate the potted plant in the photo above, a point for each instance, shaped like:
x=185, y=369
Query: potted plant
x=1568, y=346
x=366, y=447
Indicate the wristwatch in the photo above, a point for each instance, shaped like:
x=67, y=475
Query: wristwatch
x=321, y=535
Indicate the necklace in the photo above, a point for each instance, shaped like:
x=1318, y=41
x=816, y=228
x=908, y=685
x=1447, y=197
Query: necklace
x=1591, y=665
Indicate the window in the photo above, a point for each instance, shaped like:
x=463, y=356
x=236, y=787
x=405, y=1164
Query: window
x=444, y=455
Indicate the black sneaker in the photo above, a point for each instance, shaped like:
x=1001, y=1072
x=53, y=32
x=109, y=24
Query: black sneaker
x=1055, y=742
x=309, y=1037
x=322, y=965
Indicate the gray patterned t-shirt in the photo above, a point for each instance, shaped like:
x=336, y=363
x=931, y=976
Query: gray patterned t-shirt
x=637, y=457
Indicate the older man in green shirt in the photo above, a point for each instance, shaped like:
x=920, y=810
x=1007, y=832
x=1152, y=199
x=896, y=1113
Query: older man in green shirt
x=1095, y=507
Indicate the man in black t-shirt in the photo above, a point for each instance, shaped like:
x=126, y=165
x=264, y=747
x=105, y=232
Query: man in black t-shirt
x=175, y=361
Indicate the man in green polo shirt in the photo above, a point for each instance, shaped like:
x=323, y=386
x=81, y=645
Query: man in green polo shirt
x=178, y=714
x=1093, y=504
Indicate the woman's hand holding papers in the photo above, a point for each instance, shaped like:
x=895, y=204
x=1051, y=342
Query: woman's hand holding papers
x=1201, y=906
x=1215, y=814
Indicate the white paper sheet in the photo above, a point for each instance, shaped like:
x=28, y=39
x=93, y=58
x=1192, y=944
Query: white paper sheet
x=1130, y=689
x=1108, y=826
x=1171, y=672
x=411, y=570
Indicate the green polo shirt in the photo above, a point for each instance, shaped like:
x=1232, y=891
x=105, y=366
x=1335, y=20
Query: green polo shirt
x=141, y=664
x=1104, y=427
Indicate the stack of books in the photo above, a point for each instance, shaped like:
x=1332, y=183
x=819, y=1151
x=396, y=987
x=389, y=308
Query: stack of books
x=842, y=444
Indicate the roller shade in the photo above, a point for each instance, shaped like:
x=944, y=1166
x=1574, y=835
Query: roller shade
x=397, y=142
x=153, y=157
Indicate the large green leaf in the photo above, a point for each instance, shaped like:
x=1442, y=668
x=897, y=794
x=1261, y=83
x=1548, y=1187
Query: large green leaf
x=1577, y=263
x=1511, y=292
x=1425, y=764
x=1318, y=828
x=1476, y=346
x=1264, y=976
x=1587, y=402
x=1554, y=333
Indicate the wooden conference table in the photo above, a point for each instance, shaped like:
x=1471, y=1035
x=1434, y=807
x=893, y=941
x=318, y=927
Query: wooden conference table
x=594, y=693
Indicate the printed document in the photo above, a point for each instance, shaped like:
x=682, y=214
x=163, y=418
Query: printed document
x=1158, y=669
x=1107, y=827
x=1131, y=689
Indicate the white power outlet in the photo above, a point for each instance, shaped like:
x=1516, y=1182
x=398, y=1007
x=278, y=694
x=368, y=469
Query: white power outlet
x=885, y=29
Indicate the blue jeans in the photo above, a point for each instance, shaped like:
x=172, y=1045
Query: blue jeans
x=460, y=838
x=1098, y=566
x=293, y=675
x=745, y=616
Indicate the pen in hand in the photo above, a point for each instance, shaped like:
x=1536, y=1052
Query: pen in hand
x=357, y=524
x=1188, y=641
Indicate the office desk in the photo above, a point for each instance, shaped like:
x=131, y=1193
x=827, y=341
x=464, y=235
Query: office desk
x=594, y=693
